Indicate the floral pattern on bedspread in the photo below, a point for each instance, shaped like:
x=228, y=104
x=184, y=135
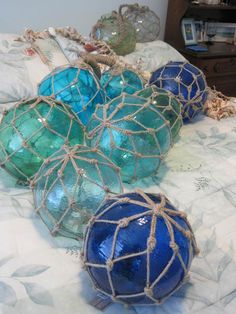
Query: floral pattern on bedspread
x=42, y=274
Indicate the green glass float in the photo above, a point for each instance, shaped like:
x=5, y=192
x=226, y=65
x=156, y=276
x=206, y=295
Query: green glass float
x=145, y=21
x=117, y=81
x=70, y=186
x=77, y=87
x=31, y=131
x=168, y=105
x=132, y=133
x=117, y=32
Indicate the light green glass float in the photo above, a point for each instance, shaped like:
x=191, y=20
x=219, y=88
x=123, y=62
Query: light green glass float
x=77, y=87
x=71, y=185
x=117, y=31
x=167, y=104
x=117, y=81
x=145, y=21
x=31, y=131
x=132, y=133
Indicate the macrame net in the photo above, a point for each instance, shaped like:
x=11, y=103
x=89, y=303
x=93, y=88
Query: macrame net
x=167, y=104
x=156, y=211
x=132, y=133
x=31, y=131
x=76, y=86
x=71, y=185
x=186, y=82
x=145, y=21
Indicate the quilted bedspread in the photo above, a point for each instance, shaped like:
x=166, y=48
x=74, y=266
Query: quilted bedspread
x=40, y=274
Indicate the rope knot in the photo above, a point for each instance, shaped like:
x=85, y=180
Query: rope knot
x=109, y=264
x=124, y=223
x=174, y=246
x=148, y=292
x=151, y=243
x=91, y=221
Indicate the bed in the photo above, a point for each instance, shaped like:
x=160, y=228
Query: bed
x=42, y=274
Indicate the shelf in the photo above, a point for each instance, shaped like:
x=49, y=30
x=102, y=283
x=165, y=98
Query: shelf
x=212, y=7
x=217, y=50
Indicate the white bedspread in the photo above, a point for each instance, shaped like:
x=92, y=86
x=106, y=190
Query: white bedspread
x=42, y=275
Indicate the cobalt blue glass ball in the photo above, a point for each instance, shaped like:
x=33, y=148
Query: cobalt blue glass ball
x=138, y=248
x=186, y=82
x=116, y=83
x=77, y=87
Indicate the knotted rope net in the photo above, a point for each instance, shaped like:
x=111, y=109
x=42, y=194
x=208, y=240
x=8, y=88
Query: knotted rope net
x=156, y=211
x=71, y=185
x=31, y=131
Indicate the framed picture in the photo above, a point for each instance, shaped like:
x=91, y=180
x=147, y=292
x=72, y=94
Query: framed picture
x=189, y=31
x=223, y=32
x=200, y=30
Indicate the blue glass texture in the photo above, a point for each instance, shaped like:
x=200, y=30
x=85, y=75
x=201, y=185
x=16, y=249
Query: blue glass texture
x=136, y=144
x=115, y=84
x=186, y=82
x=129, y=275
x=79, y=88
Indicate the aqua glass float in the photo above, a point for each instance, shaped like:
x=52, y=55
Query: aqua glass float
x=167, y=104
x=76, y=86
x=71, y=185
x=31, y=131
x=132, y=133
x=138, y=249
x=115, y=82
x=186, y=82
x=117, y=32
x=145, y=21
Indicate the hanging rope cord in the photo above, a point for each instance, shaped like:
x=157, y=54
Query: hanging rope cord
x=156, y=211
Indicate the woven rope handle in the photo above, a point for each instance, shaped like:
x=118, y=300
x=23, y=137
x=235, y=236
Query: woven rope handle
x=133, y=7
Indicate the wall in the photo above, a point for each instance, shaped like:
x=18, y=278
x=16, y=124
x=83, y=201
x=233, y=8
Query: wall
x=16, y=15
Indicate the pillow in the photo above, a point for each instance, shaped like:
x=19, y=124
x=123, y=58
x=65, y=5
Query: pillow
x=153, y=55
x=21, y=73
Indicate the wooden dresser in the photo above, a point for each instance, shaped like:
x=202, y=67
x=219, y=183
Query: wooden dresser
x=219, y=62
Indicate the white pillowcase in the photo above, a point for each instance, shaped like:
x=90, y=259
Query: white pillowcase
x=153, y=55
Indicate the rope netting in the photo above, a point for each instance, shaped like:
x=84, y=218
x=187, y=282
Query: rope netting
x=19, y=140
x=187, y=83
x=156, y=211
x=145, y=21
x=121, y=127
x=71, y=185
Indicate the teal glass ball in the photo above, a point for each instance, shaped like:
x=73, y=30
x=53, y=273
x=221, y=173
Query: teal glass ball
x=132, y=133
x=116, y=82
x=77, y=87
x=167, y=104
x=71, y=185
x=33, y=130
x=138, y=248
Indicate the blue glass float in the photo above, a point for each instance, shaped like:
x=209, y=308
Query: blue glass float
x=33, y=130
x=132, y=133
x=138, y=248
x=186, y=82
x=71, y=185
x=116, y=82
x=76, y=86
x=167, y=104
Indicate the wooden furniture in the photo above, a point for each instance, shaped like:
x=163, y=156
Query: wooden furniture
x=219, y=62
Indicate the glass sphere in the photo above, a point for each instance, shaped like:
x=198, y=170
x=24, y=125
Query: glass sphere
x=132, y=133
x=34, y=129
x=117, y=82
x=144, y=20
x=77, y=87
x=167, y=104
x=116, y=32
x=138, y=248
x=71, y=185
x=186, y=82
